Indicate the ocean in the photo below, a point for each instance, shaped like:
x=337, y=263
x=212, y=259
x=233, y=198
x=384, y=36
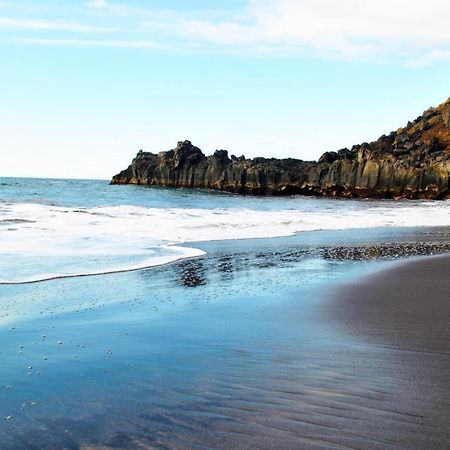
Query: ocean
x=144, y=317
x=57, y=228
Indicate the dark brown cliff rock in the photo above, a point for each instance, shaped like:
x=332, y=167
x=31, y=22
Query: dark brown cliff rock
x=412, y=162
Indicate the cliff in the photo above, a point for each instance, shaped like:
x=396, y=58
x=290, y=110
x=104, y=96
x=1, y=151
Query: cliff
x=412, y=162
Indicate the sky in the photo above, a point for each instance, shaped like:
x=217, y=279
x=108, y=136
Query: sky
x=85, y=84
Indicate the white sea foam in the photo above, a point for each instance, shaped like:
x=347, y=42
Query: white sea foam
x=40, y=242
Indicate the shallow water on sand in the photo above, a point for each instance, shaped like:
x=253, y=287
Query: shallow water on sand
x=228, y=350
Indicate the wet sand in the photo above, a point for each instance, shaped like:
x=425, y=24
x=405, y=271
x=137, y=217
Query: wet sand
x=239, y=349
x=404, y=311
x=405, y=305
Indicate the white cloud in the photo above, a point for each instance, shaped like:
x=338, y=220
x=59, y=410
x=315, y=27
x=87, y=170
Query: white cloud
x=97, y=4
x=355, y=27
x=89, y=43
x=413, y=31
x=344, y=28
x=50, y=25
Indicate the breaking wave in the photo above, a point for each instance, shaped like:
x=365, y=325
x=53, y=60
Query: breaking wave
x=40, y=242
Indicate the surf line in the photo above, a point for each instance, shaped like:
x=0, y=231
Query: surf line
x=198, y=254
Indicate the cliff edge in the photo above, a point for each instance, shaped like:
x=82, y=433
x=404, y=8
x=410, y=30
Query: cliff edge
x=412, y=162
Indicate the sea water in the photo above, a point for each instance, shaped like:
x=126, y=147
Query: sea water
x=55, y=228
x=222, y=346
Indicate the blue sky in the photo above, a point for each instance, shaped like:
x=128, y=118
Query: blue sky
x=86, y=84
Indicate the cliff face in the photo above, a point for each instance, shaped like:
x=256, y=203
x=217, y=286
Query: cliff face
x=412, y=162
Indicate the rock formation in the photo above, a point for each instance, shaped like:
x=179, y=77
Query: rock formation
x=412, y=162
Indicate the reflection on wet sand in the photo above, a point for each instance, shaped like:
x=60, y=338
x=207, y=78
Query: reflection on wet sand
x=229, y=350
x=224, y=266
x=191, y=273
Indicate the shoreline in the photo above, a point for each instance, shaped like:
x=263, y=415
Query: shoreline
x=400, y=249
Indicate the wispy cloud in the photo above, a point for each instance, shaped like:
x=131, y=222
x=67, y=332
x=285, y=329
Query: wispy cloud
x=355, y=28
x=350, y=28
x=430, y=58
x=97, y=4
x=412, y=31
x=88, y=43
x=50, y=25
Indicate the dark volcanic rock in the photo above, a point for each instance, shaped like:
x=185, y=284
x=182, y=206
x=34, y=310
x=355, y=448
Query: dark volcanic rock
x=412, y=162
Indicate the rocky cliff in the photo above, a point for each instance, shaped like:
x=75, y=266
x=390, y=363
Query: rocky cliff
x=412, y=162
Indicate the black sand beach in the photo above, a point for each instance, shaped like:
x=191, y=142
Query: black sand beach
x=404, y=311
x=406, y=305
x=259, y=344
